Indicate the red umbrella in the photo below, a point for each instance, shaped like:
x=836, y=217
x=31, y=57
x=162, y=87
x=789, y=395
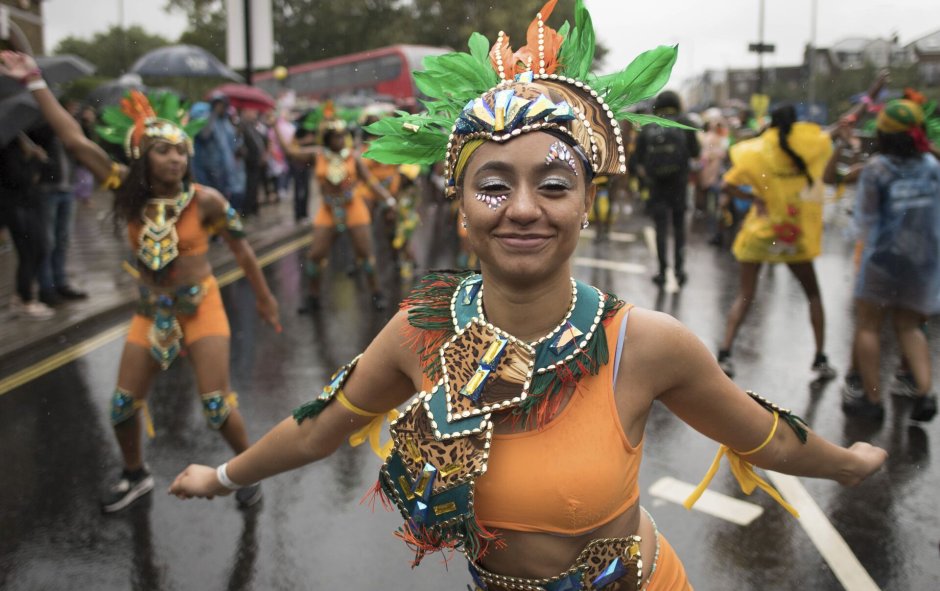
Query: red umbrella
x=242, y=96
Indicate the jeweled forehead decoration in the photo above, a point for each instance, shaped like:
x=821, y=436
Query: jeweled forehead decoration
x=560, y=151
x=496, y=94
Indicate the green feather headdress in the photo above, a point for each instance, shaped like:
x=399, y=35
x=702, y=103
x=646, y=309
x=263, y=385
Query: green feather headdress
x=493, y=93
x=139, y=120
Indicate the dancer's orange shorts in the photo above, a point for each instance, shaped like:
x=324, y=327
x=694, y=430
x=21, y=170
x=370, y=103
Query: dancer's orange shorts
x=208, y=321
x=669, y=574
x=357, y=214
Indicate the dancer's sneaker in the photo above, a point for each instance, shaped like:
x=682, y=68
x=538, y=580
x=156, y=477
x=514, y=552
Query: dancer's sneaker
x=130, y=487
x=904, y=384
x=659, y=279
x=853, y=386
x=925, y=407
x=856, y=404
x=822, y=368
x=248, y=496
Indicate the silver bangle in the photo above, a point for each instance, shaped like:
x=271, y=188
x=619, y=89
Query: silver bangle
x=222, y=474
x=37, y=84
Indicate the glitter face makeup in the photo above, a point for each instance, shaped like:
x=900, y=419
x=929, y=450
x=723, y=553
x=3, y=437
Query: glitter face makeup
x=491, y=201
x=561, y=151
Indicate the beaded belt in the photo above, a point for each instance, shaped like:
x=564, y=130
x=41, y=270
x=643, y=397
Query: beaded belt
x=337, y=205
x=165, y=333
x=611, y=564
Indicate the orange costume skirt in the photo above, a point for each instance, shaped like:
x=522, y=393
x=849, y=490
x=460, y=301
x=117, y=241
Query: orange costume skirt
x=208, y=320
x=668, y=573
x=334, y=212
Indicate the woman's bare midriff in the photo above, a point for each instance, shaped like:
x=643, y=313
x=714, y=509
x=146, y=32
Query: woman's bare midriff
x=184, y=271
x=543, y=555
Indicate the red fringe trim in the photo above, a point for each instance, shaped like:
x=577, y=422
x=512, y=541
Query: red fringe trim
x=376, y=492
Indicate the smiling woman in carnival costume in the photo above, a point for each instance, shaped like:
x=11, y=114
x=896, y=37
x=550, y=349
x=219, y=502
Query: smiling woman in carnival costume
x=523, y=447
x=169, y=221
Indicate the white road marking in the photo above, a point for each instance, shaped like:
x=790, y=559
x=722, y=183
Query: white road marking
x=634, y=268
x=649, y=236
x=713, y=503
x=612, y=236
x=837, y=554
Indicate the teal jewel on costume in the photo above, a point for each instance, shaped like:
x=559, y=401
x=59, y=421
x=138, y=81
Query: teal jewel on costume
x=316, y=406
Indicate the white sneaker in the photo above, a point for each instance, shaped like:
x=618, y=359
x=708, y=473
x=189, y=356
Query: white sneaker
x=32, y=309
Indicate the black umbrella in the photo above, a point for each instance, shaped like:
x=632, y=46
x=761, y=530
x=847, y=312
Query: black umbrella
x=17, y=113
x=59, y=69
x=111, y=93
x=183, y=60
x=56, y=69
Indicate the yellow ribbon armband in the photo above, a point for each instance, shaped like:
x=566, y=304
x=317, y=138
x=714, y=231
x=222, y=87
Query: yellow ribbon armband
x=743, y=471
x=114, y=178
x=371, y=432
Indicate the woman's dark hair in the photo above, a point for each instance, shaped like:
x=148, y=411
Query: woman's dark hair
x=132, y=196
x=897, y=144
x=783, y=118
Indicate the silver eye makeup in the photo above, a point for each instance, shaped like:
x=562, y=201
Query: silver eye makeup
x=491, y=201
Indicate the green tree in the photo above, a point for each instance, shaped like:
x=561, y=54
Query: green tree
x=306, y=30
x=207, y=24
x=114, y=51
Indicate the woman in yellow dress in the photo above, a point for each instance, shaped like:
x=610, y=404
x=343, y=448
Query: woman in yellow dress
x=781, y=172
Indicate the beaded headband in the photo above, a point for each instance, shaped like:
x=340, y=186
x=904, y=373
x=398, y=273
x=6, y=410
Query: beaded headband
x=139, y=121
x=496, y=94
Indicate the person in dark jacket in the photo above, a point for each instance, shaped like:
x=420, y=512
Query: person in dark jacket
x=663, y=157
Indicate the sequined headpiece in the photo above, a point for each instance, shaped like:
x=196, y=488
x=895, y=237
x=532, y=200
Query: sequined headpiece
x=495, y=94
x=139, y=121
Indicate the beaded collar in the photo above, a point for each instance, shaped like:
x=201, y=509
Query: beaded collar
x=158, y=242
x=442, y=440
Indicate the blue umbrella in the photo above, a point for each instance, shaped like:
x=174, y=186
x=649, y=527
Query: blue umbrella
x=186, y=61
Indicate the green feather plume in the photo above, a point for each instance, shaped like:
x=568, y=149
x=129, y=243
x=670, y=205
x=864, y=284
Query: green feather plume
x=450, y=81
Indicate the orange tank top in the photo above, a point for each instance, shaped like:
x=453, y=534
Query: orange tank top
x=575, y=474
x=193, y=236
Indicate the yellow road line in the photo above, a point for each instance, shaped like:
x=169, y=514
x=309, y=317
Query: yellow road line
x=85, y=347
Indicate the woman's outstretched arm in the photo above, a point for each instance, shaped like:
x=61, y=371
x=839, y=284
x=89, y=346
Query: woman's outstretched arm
x=690, y=383
x=382, y=380
x=23, y=68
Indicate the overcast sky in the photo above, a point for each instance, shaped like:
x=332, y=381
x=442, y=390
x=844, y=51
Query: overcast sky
x=711, y=34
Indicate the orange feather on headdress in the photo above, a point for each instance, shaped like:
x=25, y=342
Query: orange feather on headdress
x=138, y=108
x=529, y=56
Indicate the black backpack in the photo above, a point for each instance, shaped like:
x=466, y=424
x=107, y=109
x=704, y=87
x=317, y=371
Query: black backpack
x=667, y=152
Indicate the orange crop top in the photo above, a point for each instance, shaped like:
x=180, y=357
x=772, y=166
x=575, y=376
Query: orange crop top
x=572, y=476
x=322, y=171
x=193, y=236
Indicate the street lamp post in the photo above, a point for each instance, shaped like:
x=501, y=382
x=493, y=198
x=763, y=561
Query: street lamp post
x=760, y=48
x=811, y=95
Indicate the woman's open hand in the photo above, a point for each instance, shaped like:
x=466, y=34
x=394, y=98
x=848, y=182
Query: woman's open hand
x=268, y=310
x=17, y=65
x=198, y=481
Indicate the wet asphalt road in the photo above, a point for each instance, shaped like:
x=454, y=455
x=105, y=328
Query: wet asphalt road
x=311, y=531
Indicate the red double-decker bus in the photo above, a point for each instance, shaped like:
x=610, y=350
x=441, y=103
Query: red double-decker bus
x=383, y=73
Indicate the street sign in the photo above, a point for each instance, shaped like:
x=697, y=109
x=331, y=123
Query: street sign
x=761, y=47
